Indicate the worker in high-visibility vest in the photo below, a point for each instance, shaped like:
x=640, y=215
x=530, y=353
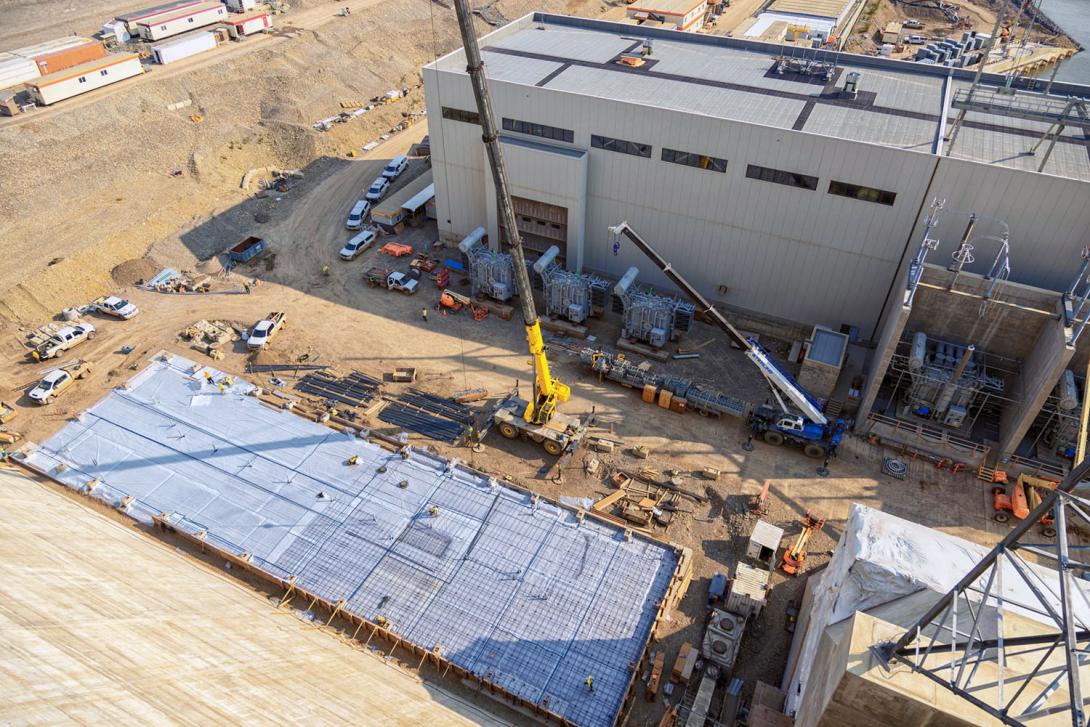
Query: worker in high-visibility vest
x=590, y=683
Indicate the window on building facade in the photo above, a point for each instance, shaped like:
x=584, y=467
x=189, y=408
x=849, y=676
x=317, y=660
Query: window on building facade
x=466, y=117
x=620, y=145
x=103, y=72
x=700, y=161
x=779, y=176
x=858, y=191
x=545, y=132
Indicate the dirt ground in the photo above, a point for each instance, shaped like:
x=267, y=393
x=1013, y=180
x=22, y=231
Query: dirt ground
x=88, y=207
x=336, y=319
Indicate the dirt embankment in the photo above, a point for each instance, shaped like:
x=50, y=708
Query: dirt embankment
x=88, y=189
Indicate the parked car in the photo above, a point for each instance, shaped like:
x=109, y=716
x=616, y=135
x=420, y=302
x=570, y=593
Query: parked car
x=917, y=39
x=116, y=307
x=358, y=213
x=377, y=188
x=57, y=381
x=63, y=340
x=396, y=166
x=265, y=329
x=358, y=244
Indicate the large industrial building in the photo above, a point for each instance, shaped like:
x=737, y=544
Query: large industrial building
x=794, y=188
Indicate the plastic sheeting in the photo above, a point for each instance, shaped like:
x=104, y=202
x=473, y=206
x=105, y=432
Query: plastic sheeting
x=515, y=590
x=881, y=558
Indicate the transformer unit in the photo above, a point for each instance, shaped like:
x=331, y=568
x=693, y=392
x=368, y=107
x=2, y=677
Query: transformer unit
x=722, y=637
x=946, y=378
x=571, y=296
x=490, y=273
x=1061, y=434
x=651, y=318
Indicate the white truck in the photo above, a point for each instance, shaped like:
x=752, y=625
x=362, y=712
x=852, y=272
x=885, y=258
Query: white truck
x=265, y=329
x=116, y=307
x=62, y=340
x=402, y=283
x=57, y=381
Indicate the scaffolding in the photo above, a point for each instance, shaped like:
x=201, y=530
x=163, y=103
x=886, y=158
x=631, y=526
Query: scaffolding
x=508, y=589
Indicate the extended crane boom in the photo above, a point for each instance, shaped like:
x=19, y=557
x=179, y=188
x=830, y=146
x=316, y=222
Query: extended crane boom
x=780, y=381
x=547, y=390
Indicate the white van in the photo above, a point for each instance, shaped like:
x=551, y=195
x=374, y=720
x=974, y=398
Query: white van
x=358, y=244
x=355, y=217
x=396, y=166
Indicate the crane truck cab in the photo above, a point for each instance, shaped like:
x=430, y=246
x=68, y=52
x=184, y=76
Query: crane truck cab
x=777, y=427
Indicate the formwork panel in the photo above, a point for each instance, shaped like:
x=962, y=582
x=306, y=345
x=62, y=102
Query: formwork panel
x=510, y=587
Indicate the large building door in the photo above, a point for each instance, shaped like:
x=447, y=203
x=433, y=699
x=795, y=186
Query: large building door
x=541, y=226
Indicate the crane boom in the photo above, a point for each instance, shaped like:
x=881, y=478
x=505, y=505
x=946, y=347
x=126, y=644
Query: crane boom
x=547, y=390
x=780, y=381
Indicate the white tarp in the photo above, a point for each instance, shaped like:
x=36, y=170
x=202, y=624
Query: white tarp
x=881, y=558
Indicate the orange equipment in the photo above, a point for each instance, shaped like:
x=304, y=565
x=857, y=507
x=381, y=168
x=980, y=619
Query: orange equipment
x=442, y=278
x=794, y=556
x=1022, y=499
x=479, y=312
x=631, y=61
x=454, y=301
x=397, y=249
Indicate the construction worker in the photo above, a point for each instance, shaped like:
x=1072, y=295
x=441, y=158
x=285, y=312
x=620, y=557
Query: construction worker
x=325, y=269
x=590, y=683
x=424, y=314
x=353, y=459
x=208, y=376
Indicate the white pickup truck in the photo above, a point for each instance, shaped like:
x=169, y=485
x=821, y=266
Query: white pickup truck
x=116, y=307
x=265, y=329
x=63, y=340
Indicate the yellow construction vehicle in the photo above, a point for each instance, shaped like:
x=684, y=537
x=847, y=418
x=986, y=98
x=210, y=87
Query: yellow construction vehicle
x=536, y=417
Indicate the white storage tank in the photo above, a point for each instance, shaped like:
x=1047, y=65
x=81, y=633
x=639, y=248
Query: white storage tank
x=188, y=45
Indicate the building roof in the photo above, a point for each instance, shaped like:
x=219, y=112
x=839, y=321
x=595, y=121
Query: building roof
x=95, y=65
x=827, y=347
x=168, y=639
x=397, y=200
x=52, y=46
x=235, y=19
x=181, y=12
x=134, y=15
x=666, y=7
x=901, y=104
x=514, y=588
x=820, y=8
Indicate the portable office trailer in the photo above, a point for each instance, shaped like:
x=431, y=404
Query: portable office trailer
x=188, y=45
x=248, y=25
x=83, y=78
x=240, y=6
x=175, y=22
x=130, y=19
x=86, y=51
x=15, y=70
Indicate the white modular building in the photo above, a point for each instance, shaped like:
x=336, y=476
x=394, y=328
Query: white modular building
x=181, y=20
x=83, y=78
x=131, y=18
x=240, y=6
x=170, y=51
x=796, y=191
x=16, y=70
x=242, y=25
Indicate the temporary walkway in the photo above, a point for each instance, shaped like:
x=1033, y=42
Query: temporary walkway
x=517, y=591
x=100, y=624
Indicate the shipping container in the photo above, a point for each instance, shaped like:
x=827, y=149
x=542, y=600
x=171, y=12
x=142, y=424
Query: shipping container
x=248, y=25
x=83, y=78
x=130, y=19
x=59, y=60
x=187, y=45
x=15, y=70
x=181, y=20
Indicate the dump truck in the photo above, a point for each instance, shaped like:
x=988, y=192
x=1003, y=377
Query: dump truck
x=63, y=340
x=265, y=329
x=58, y=380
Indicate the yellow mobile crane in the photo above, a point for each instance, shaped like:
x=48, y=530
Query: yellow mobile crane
x=537, y=418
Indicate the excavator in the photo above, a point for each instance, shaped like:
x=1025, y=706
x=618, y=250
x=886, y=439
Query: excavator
x=536, y=418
